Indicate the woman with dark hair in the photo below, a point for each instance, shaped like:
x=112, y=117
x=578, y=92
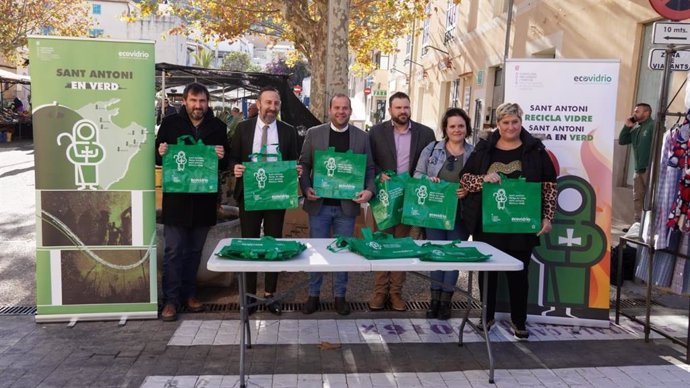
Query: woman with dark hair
x=443, y=160
x=513, y=152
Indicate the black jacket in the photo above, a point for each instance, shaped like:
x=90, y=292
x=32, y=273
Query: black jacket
x=185, y=209
x=243, y=140
x=536, y=167
x=383, y=145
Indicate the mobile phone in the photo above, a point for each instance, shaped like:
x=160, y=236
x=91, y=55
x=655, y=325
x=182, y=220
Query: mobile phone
x=633, y=119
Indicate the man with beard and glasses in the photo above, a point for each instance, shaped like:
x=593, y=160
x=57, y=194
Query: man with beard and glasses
x=329, y=216
x=396, y=145
x=187, y=217
x=267, y=131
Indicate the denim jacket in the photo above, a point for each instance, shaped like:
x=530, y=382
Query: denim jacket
x=433, y=157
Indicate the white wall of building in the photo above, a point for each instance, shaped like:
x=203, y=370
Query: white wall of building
x=169, y=48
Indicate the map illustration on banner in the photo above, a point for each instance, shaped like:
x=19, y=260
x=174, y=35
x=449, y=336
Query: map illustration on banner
x=569, y=272
x=95, y=208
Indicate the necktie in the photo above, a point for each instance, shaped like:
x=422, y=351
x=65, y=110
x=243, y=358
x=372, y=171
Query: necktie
x=264, y=140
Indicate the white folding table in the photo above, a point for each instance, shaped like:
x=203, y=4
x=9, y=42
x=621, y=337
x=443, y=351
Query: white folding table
x=317, y=258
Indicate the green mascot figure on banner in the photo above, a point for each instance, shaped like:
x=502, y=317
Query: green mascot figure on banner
x=567, y=254
x=84, y=152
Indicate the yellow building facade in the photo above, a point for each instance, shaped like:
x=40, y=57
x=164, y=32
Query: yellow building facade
x=457, y=57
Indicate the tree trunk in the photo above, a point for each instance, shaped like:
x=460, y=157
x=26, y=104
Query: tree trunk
x=317, y=100
x=337, y=56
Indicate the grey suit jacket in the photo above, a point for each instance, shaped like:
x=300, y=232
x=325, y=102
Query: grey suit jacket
x=383, y=145
x=317, y=139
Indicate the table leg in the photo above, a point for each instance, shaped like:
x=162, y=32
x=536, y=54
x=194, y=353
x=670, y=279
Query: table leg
x=485, y=287
x=467, y=309
x=244, y=318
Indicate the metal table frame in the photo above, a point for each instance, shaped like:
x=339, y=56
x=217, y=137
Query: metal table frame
x=316, y=258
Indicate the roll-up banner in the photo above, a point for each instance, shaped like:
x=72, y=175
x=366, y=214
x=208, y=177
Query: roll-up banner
x=571, y=106
x=93, y=120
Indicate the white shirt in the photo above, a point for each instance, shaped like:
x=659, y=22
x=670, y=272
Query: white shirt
x=333, y=127
x=271, y=139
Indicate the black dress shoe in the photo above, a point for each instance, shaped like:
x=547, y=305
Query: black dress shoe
x=274, y=308
x=311, y=305
x=341, y=306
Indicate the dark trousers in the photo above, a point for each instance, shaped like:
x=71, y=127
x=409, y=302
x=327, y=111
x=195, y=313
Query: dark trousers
x=518, y=287
x=183, y=246
x=250, y=222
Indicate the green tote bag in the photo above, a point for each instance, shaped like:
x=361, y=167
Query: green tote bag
x=430, y=205
x=190, y=168
x=513, y=206
x=270, y=185
x=387, y=205
x=338, y=175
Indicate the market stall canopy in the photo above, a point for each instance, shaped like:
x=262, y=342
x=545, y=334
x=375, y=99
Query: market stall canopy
x=292, y=111
x=10, y=77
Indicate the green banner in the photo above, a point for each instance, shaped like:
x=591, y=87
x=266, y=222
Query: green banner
x=94, y=158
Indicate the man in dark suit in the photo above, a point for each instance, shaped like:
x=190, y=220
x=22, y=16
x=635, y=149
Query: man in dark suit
x=248, y=139
x=395, y=146
x=328, y=213
x=187, y=217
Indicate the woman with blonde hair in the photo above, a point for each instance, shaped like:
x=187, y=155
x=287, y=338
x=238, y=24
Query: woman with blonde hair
x=513, y=152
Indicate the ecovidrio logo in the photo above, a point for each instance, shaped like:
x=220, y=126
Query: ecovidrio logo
x=593, y=79
x=135, y=54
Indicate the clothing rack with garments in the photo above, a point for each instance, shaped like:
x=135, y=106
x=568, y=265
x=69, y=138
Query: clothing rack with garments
x=663, y=250
x=668, y=240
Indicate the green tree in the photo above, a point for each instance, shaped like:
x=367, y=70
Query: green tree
x=239, y=61
x=373, y=25
x=203, y=58
x=21, y=18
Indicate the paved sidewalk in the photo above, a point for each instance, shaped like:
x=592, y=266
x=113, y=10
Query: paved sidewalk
x=373, y=349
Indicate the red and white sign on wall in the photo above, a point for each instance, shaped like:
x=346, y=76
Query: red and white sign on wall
x=675, y=10
x=367, y=91
x=297, y=89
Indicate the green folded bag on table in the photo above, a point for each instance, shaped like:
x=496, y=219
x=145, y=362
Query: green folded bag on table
x=379, y=245
x=264, y=249
x=452, y=253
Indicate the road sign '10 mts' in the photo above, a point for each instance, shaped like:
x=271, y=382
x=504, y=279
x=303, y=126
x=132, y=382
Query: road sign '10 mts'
x=671, y=33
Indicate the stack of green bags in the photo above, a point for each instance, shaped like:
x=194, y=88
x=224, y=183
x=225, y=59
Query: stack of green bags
x=263, y=249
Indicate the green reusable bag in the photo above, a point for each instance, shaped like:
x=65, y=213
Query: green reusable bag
x=190, y=168
x=452, y=252
x=430, y=205
x=264, y=249
x=387, y=205
x=513, y=206
x=377, y=246
x=270, y=184
x=338, y=175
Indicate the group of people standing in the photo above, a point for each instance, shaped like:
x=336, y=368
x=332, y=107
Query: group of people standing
x=400, y=145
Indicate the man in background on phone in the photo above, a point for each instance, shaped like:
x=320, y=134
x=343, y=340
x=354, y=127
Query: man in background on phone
x=638, y=130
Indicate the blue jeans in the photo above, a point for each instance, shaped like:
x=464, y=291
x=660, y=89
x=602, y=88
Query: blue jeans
x=330, y=217
x=181, y=259
x=449, y=278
